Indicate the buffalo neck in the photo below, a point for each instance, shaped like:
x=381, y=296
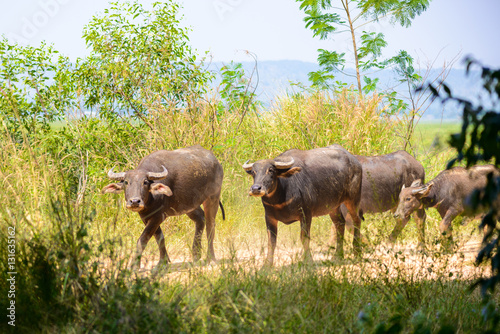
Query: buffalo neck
x=279, y=193
x=432, y=199
x=152, y=205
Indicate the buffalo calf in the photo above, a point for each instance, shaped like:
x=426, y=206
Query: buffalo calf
x=447, y=193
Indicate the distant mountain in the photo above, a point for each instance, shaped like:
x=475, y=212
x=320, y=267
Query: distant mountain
x=275, y=78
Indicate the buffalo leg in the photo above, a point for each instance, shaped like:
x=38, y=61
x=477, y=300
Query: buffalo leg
x=445, y=225
x=339, y=223
x=272, y=234
x=398, y=228
x=150, y=229
x=305, y=234
x=348, y=225
x=198, y=216
x=211, y=206
x=160, y=240
x=420, y=217
x=356, y=222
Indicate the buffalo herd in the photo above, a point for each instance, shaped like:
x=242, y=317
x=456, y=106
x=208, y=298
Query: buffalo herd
x=295, y=186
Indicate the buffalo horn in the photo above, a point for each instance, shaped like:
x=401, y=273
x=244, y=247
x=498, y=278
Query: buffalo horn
x=158, y=176
x=247, y=166
x=116, y=176
x=284, y=164
x=416, y=191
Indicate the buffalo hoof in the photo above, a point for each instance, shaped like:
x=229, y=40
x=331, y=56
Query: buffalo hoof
x=307, y=257
x=160, y=268
x=268, y=264
x=196, y=258
x=447, y=245
x=211, y=258
x=358, y=249
x=391, y=240
x=339, y=255
x=135, y=264
x=421, y=246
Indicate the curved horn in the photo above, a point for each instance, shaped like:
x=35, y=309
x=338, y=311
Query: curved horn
x=158, y=176
x=425, y=188
x=416, y=191
x=284, y=164
x=247, y=166
x=116, y=176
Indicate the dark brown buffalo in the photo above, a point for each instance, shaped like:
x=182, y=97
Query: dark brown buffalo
x=172, y=183
x=299, y=185
x=446, y=192
x=383, y=178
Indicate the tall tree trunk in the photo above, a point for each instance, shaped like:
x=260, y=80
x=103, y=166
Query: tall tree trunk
x=345, y=3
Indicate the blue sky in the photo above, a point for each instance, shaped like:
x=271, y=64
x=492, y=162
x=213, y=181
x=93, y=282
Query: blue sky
x=272, y=29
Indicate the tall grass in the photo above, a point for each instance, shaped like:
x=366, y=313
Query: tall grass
x=320, y=119
x=73, y=244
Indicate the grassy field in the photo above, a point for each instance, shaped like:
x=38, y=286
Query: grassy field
x=429, y=135
x=74, y=244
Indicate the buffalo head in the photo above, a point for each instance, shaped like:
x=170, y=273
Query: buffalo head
x=137, y=185
x=410, y=198
x=265, y=174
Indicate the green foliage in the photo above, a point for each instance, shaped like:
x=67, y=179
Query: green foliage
x=140, y=59
x=371, y=47
x=320, y=23
x=35, y=88
x=370, y=84
x=235, y=90
x=404, y=69
x=328, y=18
x=401, y=12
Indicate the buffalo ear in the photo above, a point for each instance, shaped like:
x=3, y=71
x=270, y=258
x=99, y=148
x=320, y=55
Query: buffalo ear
x=160, y=189
x=114, y=188
x=416, y=183
x=289, y=172
x=424, y=191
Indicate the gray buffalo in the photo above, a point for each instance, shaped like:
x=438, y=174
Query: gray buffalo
x=447, y=193
x=172, y=183
x=383, y=178
x=298, y=185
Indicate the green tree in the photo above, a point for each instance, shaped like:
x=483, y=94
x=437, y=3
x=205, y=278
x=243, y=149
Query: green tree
x=327, y=18
x=35, y=88
x=139, y=59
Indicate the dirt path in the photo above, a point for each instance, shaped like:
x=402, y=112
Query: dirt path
x=401, y=260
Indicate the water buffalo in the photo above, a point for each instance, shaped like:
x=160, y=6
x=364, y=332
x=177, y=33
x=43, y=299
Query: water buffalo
x=383, y=178
x=446, y=192
x=298, y=185
x=172, y=183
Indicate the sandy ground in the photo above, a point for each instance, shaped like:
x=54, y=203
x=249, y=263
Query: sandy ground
x=389, y=261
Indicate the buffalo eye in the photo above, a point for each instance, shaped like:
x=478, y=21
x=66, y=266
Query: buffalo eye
x=408, y=199
x=147, y=182
x=125, y=183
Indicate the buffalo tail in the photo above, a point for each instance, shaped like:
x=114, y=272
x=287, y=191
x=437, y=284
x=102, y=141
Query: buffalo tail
x=222, y=210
